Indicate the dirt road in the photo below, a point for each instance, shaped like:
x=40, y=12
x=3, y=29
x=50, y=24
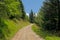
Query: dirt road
x=26, y=34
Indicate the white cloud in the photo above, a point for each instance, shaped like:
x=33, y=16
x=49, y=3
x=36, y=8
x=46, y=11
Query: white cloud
x=27, y=14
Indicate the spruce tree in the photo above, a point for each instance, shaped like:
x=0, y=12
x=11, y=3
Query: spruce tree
x=31, y=16
x=49, y=15
x=21, y=8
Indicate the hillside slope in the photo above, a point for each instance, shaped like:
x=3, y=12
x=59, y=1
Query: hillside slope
x=12, y=27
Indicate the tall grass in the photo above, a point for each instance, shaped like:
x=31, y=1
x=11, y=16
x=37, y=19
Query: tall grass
x=44, y=34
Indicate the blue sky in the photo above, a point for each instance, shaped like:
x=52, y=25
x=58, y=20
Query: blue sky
x=35, y=5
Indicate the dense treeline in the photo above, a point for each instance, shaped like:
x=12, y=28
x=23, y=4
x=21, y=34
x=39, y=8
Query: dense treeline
x=47, y=17
x=51, y=14
x=10, y=9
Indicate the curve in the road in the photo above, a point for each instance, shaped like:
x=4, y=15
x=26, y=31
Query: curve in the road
x=26, y=33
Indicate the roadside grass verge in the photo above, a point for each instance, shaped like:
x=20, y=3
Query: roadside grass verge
x=12, y=27
x=44, y=34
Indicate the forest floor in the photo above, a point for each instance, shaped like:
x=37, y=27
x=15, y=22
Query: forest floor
x=26, y=33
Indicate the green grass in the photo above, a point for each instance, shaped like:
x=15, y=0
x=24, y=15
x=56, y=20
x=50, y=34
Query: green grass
x=44, y=34
x=12, y=27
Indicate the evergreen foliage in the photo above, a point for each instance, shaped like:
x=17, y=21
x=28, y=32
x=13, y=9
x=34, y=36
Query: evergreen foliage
x=31, y=17
x=47, y=17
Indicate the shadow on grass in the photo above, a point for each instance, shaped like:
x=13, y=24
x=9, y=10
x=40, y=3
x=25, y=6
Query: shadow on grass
x=45, y=34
